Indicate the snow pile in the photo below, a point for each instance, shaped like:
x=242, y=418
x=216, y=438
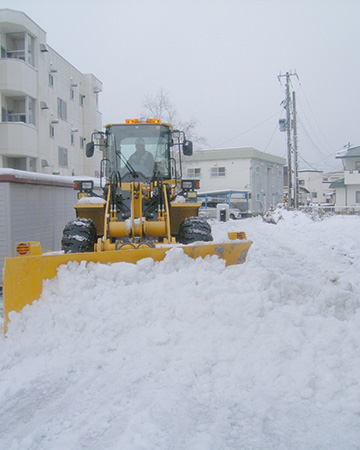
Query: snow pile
x=186, y=354
x=91, y=201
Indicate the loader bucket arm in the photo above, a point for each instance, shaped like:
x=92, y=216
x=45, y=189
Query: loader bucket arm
x=24, y=275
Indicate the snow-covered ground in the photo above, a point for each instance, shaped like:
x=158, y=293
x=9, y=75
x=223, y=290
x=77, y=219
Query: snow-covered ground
x=186, y=354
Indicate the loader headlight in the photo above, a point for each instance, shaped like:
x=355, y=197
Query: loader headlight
x=87, y=185
x=190, y=185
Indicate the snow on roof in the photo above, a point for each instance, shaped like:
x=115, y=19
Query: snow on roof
x=349, y=153
x=235, y=153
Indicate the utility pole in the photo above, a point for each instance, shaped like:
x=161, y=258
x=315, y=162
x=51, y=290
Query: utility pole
x=296, y=162
x=292, y=199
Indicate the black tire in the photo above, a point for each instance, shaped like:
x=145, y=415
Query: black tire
x=79, y=236
x=194, y=229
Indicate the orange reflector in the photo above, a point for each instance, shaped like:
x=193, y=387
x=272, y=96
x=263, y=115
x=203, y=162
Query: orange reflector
x=132, y=121
x=23, y=248
x=153, y=120
x=76, y=185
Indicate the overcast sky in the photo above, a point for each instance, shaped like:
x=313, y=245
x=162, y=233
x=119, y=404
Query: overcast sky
x=219, y=62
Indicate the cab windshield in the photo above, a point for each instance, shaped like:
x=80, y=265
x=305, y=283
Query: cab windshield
x=140, y=148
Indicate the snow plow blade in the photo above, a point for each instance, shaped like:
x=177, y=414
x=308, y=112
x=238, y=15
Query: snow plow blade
x=24, y=275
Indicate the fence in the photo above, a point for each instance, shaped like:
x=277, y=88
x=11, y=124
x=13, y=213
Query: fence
x=346, y=210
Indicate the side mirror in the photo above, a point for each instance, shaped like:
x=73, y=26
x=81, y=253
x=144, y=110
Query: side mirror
x=188, y=148
x=90, y=146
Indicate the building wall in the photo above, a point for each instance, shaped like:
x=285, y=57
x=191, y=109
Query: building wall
x=241, y=169
x=41, y=80
x=317, y=183
x=340, y=199
x=350, y=194
x=351, y=164
x=237, y=174
x=4, y=223
x=266, y=184
x=33, y=210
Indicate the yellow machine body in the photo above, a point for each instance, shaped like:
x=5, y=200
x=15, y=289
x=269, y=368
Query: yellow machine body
x=115, y=235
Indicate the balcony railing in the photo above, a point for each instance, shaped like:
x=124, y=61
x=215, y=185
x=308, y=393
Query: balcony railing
x=15, y=117
x=16, y=54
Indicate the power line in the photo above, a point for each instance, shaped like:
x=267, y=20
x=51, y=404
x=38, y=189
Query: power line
x=310, y=125
x=247, y=131
x=302, y=89
x=310, y=138
x=273, y=134
x=303, y=160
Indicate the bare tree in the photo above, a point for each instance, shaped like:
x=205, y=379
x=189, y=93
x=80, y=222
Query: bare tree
x=161, y=106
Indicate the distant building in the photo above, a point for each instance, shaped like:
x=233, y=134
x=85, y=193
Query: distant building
x=348, y=189
x=248, y=169
x=314, y=187
x=48, y=108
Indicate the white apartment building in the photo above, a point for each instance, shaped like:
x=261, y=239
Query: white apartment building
x=48, y=108
x=241, y=169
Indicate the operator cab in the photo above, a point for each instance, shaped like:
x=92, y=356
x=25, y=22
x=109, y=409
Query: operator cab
x=140, y=151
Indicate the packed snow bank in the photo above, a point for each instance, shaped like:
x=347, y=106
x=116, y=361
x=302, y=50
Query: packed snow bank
x=186, y=354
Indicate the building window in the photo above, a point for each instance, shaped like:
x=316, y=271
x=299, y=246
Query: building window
x=357, y=196
x=314, y=195
x=51, y=131
x=81, y=99
x=194, y=172
x=62, y=109
x=72, y=94
x=19, y=46
x=19, y=109
x=26, y=163
x=30, y=107
x=51, y=80
x=63, y=157
x=302, y=182
x=357, y=165
x=217, y=172
x=30, y=49
x=82, y=142
x=72, y=139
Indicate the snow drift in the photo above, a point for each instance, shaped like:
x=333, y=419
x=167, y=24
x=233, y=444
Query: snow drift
x=189, y=354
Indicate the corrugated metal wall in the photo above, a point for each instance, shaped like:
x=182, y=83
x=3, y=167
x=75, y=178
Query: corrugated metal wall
x=4, y=223
x=33, y=212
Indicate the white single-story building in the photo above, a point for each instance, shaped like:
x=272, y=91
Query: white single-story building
x=244, y=169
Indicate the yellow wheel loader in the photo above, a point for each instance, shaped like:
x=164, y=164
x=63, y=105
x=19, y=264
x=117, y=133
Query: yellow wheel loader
x=146, y=208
